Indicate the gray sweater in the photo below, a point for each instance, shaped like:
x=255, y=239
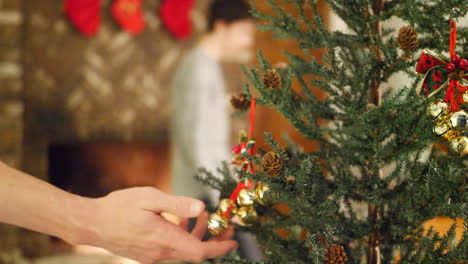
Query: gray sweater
x=200, y=126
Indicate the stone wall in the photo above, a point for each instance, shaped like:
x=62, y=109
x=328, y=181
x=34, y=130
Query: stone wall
x=11, y=86
x=13, y=239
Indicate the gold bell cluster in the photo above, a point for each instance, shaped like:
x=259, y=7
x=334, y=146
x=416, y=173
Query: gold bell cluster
x=243, y=208
x=450, y=126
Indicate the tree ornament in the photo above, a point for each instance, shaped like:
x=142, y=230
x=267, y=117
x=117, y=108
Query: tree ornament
x=225, y=206
x=243, y=193
x=272, y=164
x=436, y=108
x=85, y=15
x=240, y=102
x=440, y=128
x=450, y=67
x=175, y=16
x=463, y=64
x=335, y=255
x=217, y=224
x=465, y=96
x=408, y=39
x=455, y=58
x=245, y=197
x=129, y=15
x=272, y=80
x=246, y=215
x=263, y=194
x=458, y=120
x=439, y=73
x=459, y=146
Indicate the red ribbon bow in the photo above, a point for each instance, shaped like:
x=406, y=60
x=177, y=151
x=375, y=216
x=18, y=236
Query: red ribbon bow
x=444, y=73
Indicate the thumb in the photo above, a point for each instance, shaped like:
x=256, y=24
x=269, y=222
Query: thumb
x=180, y=205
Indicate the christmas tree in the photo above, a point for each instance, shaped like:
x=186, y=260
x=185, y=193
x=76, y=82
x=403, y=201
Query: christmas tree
x=387, y=160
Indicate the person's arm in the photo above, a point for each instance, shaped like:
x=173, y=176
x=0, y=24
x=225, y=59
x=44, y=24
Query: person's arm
x=127, y=222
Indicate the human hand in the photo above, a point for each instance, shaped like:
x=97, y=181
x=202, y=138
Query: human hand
x=129, y=223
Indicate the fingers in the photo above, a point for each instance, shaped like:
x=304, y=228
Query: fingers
x=178, y=205
x=205, y=250
x=215, y=249
x=188, y=247
x=226, y=235
x=184, y=224
x=200, y=228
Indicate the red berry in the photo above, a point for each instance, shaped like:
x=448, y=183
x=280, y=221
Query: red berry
x=236, y=149
x=450, y=66
x=455, y=58
x=463, y=64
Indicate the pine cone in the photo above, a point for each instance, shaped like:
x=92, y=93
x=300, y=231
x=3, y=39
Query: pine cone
x=240, y=102
x=272, y=80
x=335, y=255
x=408, y=39
x=272, y=164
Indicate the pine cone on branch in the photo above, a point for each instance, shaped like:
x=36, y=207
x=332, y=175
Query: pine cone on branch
x=335, y=255
x=272, y=80
x=408, y=39
x=272, y=164
x=240, y=102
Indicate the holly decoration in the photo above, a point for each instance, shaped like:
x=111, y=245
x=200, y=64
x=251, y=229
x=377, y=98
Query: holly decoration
x=440, y=73
x=85, y=15
x=246, y=194
x=129, y=15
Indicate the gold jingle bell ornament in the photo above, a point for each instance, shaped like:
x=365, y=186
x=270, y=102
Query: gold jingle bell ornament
x=458, y=120
x=263, y=194
x=441, y=128
x=217, y=224
x=436, y=109
x=459, y=146
x=246, y=197
x=246, y=215
x=224, y=206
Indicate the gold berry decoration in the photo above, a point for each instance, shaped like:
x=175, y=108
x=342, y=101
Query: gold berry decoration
x=272, y=80
x=272, y=164
x=408, y=39
x=335, y=255
x=240, y=102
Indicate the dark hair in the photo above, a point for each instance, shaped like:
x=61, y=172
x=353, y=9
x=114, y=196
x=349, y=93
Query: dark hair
x=228, y=11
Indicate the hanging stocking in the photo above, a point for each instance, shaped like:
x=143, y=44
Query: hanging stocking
x=85, y=15
x=175, y=16
x=129, y=15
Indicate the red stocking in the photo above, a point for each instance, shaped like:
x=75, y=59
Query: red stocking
x=85, y=15
x=129, y=15
x=175, y=15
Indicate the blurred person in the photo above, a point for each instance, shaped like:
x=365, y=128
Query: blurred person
x=200, y=102
x=130, y=223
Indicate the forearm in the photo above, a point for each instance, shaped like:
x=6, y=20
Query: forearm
x=28, y=202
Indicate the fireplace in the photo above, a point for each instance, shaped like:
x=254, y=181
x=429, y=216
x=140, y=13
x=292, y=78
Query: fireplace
x=95, y=169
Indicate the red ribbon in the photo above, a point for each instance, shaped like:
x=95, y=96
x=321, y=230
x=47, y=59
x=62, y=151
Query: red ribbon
x=453, y=37
x=454, y=85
